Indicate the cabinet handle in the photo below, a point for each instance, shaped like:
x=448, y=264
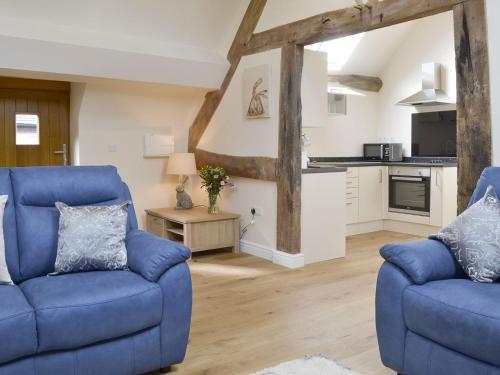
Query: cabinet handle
x=380, y=176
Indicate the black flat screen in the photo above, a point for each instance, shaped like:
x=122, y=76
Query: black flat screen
x=434, y=134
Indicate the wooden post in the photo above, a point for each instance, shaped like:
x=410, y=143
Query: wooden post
x=289, y=173
x=473, y=96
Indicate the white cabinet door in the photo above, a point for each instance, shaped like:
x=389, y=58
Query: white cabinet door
x=371, y=193
x=436, y=215
x=443, y=196
x=314, y=89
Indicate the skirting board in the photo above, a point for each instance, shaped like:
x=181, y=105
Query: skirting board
x=410, y=228
x=280, y=258
x=359, y=228
x=393, y=226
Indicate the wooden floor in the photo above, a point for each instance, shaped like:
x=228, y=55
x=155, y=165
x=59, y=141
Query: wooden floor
x=249, y=314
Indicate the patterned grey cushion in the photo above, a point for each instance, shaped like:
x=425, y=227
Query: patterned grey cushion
x=4, y=272
x=91, y=238
x=474, y=238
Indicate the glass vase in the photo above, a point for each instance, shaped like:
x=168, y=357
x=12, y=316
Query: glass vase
x=212, y=204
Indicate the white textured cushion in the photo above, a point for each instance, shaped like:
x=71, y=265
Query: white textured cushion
x=91, y=238
x=4, y=271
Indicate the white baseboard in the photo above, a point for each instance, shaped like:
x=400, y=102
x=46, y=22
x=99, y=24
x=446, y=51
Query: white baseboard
x=287, y=260
x=360, y=228
x=256, y=250
x=410, y=228
x=280, y=258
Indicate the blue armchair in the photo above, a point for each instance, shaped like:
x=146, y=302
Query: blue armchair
x=431, y=319
x=116, y=322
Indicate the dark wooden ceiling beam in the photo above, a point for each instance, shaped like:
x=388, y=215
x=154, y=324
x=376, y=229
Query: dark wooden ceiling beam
x=357, y=82
x=347, y=21
x=256, y=167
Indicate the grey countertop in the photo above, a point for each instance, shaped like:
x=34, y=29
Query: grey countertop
x=332, y=169
x=346, y=164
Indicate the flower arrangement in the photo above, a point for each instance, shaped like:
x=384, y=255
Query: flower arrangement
x=214, y=180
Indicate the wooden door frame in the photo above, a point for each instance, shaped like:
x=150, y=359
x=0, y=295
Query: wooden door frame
x=473, y=95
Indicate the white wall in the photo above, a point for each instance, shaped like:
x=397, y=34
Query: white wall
x=230, y=133
x=111, y=119
x=280, y=12
x=344, y=135
x=492, y=12
x=432, y=41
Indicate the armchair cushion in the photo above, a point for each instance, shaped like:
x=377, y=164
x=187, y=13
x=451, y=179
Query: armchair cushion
x=151, y=256
x=423, y=261
x=79, y=309
x=17, y=325
x=458, y=314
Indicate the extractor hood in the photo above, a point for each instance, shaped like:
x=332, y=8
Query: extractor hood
x=431, y=93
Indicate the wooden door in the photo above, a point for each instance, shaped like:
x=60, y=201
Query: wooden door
x=34, y=123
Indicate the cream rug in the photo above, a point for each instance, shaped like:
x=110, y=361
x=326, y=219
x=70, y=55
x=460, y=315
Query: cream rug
x=310, y=365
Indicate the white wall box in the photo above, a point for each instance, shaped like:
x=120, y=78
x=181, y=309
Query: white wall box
x=323, y=216
x=315, y=89
x=158, y=145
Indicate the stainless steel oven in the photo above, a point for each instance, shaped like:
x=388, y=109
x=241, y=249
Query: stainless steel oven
x=410, y=190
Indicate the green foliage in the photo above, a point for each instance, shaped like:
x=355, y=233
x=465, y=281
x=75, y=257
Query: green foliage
x=214, y=179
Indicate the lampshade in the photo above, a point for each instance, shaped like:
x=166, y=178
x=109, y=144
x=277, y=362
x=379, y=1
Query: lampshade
x=181, y=164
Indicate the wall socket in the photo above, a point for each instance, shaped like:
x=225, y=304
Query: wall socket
x=257, y=211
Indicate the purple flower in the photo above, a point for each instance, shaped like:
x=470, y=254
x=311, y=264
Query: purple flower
x=222, y=183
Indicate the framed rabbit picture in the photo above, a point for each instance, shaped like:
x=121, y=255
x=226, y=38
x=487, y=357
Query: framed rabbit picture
x=256, y=92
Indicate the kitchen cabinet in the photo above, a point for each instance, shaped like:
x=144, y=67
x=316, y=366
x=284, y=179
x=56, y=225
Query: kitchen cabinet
x=352, y=195
x=443, y=196
x=364, y=192
x=370, y=193
x=314, y=89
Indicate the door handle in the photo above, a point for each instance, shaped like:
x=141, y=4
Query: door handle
x=64, y=153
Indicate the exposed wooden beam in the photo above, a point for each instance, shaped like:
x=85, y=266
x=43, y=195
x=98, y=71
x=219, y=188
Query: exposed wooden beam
x=246, y=29
x=289, y=178
x=473, y=96
x=213, y=99
x=348, y=21
x=357, y=82
x=260, y=168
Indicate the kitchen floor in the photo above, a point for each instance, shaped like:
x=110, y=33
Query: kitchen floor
x=249, y=314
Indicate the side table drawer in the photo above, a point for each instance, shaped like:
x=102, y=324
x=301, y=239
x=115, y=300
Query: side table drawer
x=211, y=235
x=155, y=225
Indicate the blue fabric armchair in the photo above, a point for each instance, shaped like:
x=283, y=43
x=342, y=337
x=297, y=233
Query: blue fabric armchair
x=116, y=322
x=431, y=319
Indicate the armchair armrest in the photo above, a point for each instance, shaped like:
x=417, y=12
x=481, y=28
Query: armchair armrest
x=152, y=256
x=423, y=261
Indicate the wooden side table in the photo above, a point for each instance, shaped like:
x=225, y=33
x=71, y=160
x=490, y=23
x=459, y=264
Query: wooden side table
x=196, y=228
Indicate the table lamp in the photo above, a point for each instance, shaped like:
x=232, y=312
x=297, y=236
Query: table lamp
x=183, y=165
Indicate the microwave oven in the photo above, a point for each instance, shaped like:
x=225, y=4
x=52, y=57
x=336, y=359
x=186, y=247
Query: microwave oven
x=383, y=151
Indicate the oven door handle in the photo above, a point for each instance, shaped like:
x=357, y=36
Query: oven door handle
x=417, y=179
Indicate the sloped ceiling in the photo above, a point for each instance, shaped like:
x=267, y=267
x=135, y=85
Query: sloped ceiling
x=376, y=49
x=159, y=39
x=158, y=33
